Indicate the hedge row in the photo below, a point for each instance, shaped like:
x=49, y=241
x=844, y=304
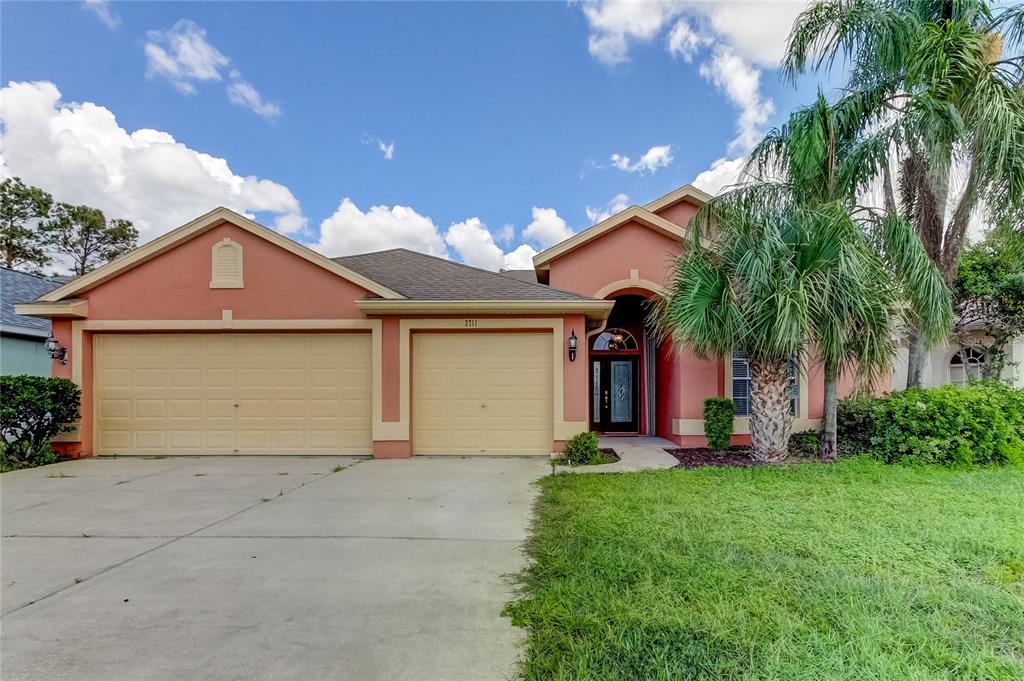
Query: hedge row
x=950, y=425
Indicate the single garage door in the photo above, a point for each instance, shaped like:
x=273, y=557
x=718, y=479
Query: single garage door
x=482, y=393
x=233, y=393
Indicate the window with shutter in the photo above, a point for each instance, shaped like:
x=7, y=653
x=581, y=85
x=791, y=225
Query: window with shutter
x=226, y=265
x=741, y=384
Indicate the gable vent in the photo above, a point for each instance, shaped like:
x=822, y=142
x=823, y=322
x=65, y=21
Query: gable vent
x=227, y=265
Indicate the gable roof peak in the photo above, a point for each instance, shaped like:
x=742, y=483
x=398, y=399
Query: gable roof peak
x=194, y=228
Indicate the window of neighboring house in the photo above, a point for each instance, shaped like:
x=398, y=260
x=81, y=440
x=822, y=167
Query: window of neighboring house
x=965, y=366
x=741, y=385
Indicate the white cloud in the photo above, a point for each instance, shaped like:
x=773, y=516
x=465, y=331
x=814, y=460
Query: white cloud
x=506, y=234
x=756, y=30
x=742, y=37
x=649, y=162
x=184, y=56
x=521, y=258
x=387, y=149
x=684, y=42
x=742, y=84
x=475, y=245
x=473, y=242
x=614, y=23
x=350, y=230
x=242, y=93
x=101, y=8
x=80, y=154
x=547, y=228
x=721, y=174
x=618, y=203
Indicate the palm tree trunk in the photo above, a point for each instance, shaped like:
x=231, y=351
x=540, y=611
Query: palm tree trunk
x=770, y=419
x=828, y=434
x=915, y=362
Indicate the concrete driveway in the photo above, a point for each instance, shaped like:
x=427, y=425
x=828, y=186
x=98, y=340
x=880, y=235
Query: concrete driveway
x=262, y=568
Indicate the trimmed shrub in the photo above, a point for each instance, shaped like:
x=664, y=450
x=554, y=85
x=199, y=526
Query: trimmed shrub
x=34, y=409
x=582, y=449
x=949, y=425
x=856, y=417
x=718, y=416
x=805, y=444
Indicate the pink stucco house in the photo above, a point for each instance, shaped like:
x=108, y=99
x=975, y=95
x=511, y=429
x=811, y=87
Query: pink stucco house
x=223, y=336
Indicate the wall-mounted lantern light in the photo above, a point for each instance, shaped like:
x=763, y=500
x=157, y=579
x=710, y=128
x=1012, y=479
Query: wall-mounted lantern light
x=572, y=346
x=56, y=350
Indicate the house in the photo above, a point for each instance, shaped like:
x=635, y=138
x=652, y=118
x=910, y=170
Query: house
x=223, y=336
x=22, y=338
x=953, y=363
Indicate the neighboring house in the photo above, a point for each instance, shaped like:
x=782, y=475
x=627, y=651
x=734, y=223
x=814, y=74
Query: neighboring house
x=223, y=336
x=21, y=337
x=953, y=363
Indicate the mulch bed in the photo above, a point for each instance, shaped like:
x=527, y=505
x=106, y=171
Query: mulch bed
x=698, y=457
x=610, y=454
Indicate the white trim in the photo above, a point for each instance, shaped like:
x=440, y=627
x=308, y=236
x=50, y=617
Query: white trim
x=686, y=192
x=740, y=425
x=400, y=430
x=641, y=215
x=594, y=309
x=75, y=308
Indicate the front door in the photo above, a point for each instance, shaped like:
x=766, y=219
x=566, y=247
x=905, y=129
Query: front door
x=615, y=394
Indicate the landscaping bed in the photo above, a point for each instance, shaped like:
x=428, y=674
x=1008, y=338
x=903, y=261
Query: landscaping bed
x=856, y=570
x=698, y=457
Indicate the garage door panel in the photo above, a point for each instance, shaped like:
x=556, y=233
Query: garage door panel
x=173, y=393
x=482, y=393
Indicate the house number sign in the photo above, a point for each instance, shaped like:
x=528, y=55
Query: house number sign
x=471, y=322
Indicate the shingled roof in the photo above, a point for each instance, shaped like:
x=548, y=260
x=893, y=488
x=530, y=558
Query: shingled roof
x=418, y=276
x=521, y=275
x=19, y=287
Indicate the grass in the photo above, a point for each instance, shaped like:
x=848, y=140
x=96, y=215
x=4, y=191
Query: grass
x=853, y=571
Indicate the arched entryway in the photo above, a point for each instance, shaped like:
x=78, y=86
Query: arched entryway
x=622, y=375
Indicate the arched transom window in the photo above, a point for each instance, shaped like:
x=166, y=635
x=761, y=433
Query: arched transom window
x=615, y=340
x=965, y=366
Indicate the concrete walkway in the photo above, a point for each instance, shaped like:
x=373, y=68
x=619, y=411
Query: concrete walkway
x=635, y=454
x=263, y=568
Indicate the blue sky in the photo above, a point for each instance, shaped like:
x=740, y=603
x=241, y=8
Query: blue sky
x=508, y=120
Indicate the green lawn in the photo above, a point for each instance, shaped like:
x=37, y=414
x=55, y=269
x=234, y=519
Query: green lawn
x=852, y=571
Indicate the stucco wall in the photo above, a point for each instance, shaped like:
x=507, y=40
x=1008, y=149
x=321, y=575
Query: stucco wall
x=176, y=285
x=612, y=256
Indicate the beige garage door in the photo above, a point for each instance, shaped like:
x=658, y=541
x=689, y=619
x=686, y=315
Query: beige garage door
x=482, y=393
x=233, y=393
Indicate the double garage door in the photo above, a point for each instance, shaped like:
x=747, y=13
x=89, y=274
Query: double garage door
x=284, y=393
x=233, y=393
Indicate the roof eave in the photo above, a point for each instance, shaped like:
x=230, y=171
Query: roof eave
x=75, y=308
x=592, y=309
x=542, y=260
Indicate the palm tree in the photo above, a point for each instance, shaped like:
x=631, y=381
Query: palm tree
x=937, y=90
x=815, y=161
x=770, y=276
